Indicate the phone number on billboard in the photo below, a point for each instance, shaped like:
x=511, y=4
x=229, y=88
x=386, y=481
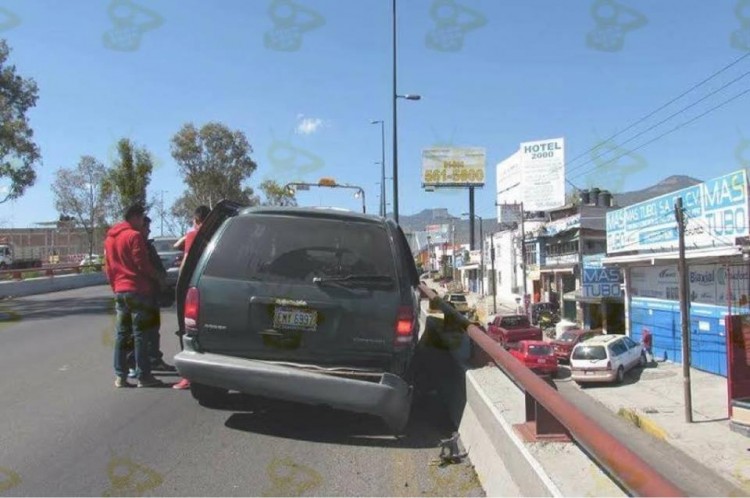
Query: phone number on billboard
x=458, y=175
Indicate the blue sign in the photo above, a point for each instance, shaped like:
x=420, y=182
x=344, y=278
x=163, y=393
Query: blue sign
x=599, y=280
x=716, y=212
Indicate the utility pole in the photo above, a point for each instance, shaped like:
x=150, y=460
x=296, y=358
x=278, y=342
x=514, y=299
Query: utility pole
x=523, y=257
x=494, y=278
x=684, y=309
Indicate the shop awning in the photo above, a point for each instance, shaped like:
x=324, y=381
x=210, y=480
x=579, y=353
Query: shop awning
x=576, y=295
x=655, y=258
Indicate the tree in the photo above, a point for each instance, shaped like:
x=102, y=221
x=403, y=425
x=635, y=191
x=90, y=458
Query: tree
x=78, y=194
x=214, y=162
x=276, y=195
x=18, y=152
x=126, y=181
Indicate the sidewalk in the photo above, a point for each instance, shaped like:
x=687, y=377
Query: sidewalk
x=651, y=399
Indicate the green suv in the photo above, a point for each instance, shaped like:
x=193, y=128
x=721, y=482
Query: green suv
x=316, y=306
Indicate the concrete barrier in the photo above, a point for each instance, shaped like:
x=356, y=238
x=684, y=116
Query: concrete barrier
x=42, y=285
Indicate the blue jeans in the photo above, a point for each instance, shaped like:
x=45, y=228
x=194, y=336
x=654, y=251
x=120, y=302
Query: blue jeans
x=133, y=317
x=153, y=338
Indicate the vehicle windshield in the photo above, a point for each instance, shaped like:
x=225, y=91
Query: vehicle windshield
x=589, y=353
x=568, y=336
x=539, y=350
x=301, y=249
x=459, y=298
x=514, y=322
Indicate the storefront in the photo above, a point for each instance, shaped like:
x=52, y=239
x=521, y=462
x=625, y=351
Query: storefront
x=642, y=241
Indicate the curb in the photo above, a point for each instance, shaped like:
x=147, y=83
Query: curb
x=643, y=423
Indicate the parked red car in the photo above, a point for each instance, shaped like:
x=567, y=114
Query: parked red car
x=537, y=356
x=567, y=341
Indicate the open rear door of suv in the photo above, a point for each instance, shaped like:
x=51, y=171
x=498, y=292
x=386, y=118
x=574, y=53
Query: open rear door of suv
x=216, y=218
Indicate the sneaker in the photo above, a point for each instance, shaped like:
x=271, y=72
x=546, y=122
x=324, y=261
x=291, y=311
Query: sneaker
x=183, y=384
x=132, y=373
x=161, y=366
x=149, y=381
x=122, y=382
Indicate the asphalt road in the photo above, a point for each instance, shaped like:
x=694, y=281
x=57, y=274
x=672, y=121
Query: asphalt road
x=66, y=431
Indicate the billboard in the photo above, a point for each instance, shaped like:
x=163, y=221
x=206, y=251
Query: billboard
x=508, y=174
x=534, y=175
x=543, y=168
x=453, y=167
x=599, y=280
x=716, y=212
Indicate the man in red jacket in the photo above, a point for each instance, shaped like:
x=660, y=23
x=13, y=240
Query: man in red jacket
x=130, y=272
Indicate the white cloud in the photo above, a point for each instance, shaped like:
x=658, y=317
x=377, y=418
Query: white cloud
x=308, y=126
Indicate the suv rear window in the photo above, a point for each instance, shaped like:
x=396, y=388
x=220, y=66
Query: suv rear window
x=589, y=353
x=165, y=245
x=287, y=249
x=540, y=350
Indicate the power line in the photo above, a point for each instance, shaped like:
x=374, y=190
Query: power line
x=736, y=61
x=665, y=134
x=669, y=117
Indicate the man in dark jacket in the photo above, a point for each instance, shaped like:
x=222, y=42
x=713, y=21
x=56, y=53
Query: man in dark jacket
x=130, y=273
x=153, y=323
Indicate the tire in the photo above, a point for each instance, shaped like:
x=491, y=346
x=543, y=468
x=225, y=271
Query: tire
x=642, y=361
x=620, y=375
x=207, y=395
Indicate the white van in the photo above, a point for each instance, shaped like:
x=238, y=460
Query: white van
x=605, y=358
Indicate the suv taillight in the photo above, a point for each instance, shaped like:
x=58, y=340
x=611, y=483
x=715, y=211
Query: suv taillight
x=404, y=322
x=192, y=305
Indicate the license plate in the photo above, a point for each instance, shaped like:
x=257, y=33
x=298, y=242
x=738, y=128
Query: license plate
x=294, y=318
x=588, y=372
x=542, y=361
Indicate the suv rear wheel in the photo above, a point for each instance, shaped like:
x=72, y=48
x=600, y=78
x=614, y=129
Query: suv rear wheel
x=207, y=395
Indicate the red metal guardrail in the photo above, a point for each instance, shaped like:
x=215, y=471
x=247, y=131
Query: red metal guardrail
x=549, y=416
x=46, y=271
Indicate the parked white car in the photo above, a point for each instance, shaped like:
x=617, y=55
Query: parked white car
x=605, y=358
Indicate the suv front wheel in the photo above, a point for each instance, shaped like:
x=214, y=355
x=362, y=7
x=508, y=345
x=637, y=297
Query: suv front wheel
x=620, y=374
x=207, y=395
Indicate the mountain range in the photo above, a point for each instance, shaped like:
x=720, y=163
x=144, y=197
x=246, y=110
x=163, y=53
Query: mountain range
x=437, y=216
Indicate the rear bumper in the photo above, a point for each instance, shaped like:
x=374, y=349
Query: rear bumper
x=593, y=375
x=389, y=399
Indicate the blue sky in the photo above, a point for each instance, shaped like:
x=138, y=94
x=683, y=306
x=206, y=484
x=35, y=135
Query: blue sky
x=526, y=74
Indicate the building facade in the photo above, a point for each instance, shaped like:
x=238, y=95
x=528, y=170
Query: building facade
x=642, y=240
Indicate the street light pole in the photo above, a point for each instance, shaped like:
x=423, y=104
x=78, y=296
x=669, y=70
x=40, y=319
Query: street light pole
x=395, y=133
x=382, y=165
